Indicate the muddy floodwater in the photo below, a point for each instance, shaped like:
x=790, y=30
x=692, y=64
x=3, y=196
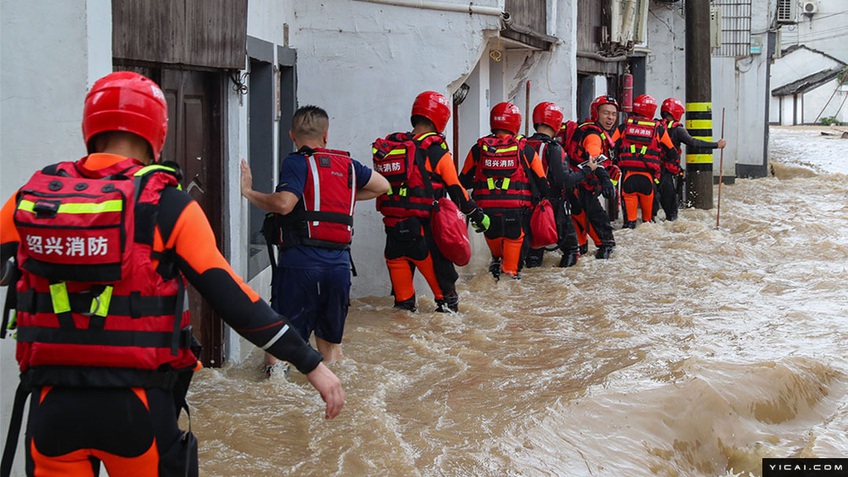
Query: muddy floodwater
x=694, y=351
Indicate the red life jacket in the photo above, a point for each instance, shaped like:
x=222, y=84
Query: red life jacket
x=577, y=154
x=324, y=215
x=500, y=177
x=541, y=148
x=91, y=309
x=400, y=159
x=640, y=148
x=673, y=165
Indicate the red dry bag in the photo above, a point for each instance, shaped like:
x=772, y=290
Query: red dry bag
x=450, y=232
x=543, y=228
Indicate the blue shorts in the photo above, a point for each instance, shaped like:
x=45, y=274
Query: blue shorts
x=314, y=300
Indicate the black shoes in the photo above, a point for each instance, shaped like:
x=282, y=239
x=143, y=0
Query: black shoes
x=495, y=268
x=604, y=251
x=408, y=305
x=450, y=303
x=569, y=259
x=629, y=224
x=534, y=258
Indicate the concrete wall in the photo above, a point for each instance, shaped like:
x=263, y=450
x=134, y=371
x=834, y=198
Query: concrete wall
x=823, y=31
x=791, y=67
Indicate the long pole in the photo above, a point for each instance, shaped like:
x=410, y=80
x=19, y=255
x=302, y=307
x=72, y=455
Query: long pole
x=720, y=171
x=527, y=112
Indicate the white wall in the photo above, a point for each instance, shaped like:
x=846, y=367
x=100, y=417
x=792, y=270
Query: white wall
x=666, y=60
x=823, y=31
x=816, y=103
x=52, y=52
x=793, y=66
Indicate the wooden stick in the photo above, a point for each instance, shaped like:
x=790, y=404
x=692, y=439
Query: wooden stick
x=527, y=112
x=720, y=171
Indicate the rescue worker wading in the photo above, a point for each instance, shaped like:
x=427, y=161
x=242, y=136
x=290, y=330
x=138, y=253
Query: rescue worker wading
x=499, y=169
x=547, y=120
x=592, y=139
x=671, y=111
x=641, y=143
x=103, y=246
x=403, y=158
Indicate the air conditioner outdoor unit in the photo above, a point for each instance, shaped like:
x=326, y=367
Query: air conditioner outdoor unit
x=787, y=11
x=809, y=7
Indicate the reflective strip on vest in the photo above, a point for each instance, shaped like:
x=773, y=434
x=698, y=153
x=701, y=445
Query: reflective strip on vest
x=107, y=206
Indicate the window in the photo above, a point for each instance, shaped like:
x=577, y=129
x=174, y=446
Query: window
x=735, y=28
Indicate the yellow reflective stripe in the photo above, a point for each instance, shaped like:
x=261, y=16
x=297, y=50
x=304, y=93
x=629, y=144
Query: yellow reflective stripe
x=699, y=158
x=491, y=183
x=633, y=149
x=614, y=183
x=699, y=124
x=645, y=123
x=403, y=191
x=509, y=149
x=391, y=191
x=100, y=304
x=59, y=297
x=151, y=168
x=396, y=152
x=644, y=150
x=699, y=107
x=505, y=184
x=108, y=206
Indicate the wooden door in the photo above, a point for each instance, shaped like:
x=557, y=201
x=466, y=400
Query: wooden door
x=195, y=143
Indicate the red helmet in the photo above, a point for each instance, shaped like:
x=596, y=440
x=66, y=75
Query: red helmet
x=645, y=106
x=505, y=116
x=674, y=107
x=600, y=101
x=433, y=106
x=548, y=114
x=127, y=101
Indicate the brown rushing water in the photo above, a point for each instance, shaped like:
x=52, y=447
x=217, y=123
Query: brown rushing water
x=693, y=352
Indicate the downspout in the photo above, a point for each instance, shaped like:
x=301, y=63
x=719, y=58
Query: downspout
x=470, y=8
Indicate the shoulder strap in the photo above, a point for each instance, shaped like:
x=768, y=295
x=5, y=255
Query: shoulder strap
x=15, y=420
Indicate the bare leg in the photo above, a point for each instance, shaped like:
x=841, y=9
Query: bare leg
x=330, y=351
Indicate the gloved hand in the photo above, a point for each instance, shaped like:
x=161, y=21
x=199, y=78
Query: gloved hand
x=607, y=189
x=479, y=220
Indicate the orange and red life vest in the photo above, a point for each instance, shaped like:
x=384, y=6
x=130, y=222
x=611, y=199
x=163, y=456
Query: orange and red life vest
x=400, y=159
x=673, y=166
x=501, y=180
x=577, y=154
x=91, y=309
x=640, y=149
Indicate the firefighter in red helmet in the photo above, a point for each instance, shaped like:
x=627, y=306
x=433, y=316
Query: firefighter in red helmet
x=593, y=139
x=503, y=172
x=408, y=205
x=641, y=143
x=548, y=120
x=671, y=178
x=104, y=343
